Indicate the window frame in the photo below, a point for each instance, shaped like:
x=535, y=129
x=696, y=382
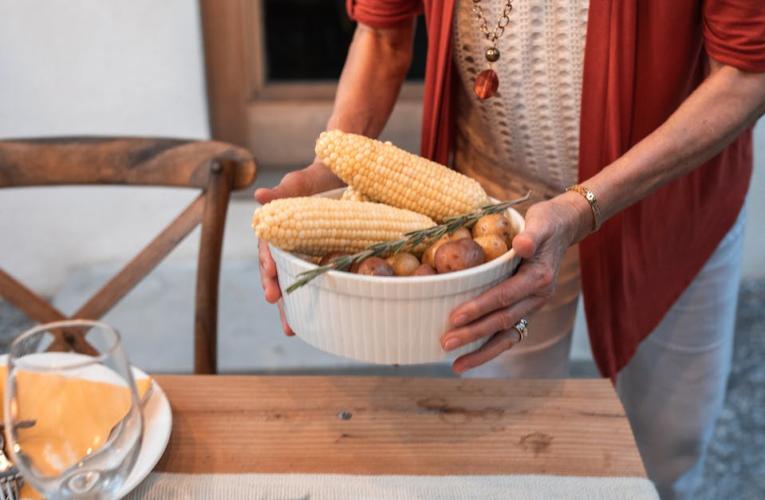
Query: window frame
x=277, y=121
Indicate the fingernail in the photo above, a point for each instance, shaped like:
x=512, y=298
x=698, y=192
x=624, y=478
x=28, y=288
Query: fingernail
x=452, y=344
x=460, y=320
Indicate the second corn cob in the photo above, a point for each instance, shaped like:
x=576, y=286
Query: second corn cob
x=317, y=226
x=395, y=177
x=351, y=194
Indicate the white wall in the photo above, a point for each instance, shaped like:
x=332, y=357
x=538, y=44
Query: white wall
x=129, y=67
x=117, y=67
x=96, y=67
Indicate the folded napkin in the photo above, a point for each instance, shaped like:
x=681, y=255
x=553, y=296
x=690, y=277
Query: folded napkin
x=73, y=416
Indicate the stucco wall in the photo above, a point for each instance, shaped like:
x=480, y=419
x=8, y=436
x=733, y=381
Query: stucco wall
x=68, y=67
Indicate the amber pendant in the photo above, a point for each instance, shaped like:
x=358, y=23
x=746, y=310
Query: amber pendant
x=486, y=84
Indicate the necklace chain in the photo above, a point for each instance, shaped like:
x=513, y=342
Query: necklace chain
x=504, y=19
x=487, y=82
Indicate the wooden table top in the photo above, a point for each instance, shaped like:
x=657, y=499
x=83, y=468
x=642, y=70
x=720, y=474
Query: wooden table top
x=381, y=425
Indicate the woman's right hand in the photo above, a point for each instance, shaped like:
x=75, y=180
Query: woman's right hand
x=316, y=178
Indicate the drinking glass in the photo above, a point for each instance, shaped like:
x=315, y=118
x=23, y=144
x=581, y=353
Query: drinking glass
x=72, y=412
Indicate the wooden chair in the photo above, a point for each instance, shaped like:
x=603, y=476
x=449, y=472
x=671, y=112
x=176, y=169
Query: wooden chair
x=214, y=167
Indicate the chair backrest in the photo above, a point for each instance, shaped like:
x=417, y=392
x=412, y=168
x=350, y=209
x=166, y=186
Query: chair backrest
x=214, y=167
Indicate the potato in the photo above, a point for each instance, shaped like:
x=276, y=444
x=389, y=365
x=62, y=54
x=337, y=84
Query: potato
x=374, y=266
x=493, y=246
x=458, y=255
x=327, y=259
x=429, y=257
x=424, y=270
x=403, y=263
x=495, y=224
x=459, y=234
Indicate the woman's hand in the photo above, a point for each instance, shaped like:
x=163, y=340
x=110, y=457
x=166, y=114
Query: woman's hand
x=551, y=227
x=311, y=180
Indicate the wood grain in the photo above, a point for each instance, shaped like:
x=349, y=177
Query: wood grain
x=215, y=167
x=26, y=301
x=109, y=160
x=225, y=44
x=208, y=270
x=239, y=424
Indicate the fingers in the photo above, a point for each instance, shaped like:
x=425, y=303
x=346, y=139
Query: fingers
x=285, y=326
x=539, y=227
x=501, y=319
x=266, y=195
x=268, y=277
x=498, y=344
x=293, y=184
x=524, y=244
x=532, y=279
x=311, y=180
x=298, y=183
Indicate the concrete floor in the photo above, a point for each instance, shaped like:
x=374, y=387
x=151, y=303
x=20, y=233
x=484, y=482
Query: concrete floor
x=735, y=464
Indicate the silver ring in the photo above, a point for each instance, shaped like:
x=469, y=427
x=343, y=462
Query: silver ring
x=522, y=327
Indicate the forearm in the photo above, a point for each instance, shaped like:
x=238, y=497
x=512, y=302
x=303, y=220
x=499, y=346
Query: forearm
x=374, y=71
x=723, y=106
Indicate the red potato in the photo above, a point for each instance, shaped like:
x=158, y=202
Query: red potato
x=429, y=257
x=459, y=255
x=424, y=270
x=374, y=266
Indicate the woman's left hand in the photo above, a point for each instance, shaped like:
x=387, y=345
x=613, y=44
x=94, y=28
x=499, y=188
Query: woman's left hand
x=551, y=227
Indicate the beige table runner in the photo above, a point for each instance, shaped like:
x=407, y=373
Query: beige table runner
x=167, y=486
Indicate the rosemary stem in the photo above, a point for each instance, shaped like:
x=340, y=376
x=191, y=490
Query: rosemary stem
x=410, y=241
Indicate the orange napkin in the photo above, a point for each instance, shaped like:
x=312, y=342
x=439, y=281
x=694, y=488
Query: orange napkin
x=91, y=408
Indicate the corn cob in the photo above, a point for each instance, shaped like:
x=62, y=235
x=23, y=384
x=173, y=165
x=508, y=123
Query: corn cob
x=351, y=194
x=317, y=226
x=392, y=176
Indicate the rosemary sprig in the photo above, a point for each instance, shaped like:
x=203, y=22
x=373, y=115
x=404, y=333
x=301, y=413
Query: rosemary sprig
x=409, y=241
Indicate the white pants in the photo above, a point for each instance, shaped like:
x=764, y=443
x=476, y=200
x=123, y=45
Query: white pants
x=674, y=386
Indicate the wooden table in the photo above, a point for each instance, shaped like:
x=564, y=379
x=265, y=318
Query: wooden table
x=379, y=425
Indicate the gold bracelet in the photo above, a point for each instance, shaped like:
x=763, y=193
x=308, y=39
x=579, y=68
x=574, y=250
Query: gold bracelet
x=590, y=197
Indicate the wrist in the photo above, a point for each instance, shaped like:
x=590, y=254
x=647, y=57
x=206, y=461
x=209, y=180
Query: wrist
x=580, y=218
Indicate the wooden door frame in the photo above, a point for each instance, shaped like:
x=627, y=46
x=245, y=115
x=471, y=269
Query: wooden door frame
x=247, y=110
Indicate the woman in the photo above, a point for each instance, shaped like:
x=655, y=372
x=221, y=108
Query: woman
x=652, y=116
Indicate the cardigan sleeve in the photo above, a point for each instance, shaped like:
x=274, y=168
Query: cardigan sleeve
x=734, y=32
x=383, y=14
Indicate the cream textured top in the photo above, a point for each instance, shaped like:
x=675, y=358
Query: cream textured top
x=530, y=128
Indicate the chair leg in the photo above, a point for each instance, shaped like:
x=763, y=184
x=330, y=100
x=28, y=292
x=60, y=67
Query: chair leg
x=208, y=269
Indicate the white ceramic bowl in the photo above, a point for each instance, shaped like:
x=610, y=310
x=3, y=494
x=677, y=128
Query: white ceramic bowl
x=385, y=320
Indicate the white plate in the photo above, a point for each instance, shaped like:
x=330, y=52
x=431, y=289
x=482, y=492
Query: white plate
x=157, y=423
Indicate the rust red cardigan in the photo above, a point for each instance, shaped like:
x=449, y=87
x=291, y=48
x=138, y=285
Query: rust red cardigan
x=642, y=59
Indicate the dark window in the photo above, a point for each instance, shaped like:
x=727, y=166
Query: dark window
x=309, y=39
